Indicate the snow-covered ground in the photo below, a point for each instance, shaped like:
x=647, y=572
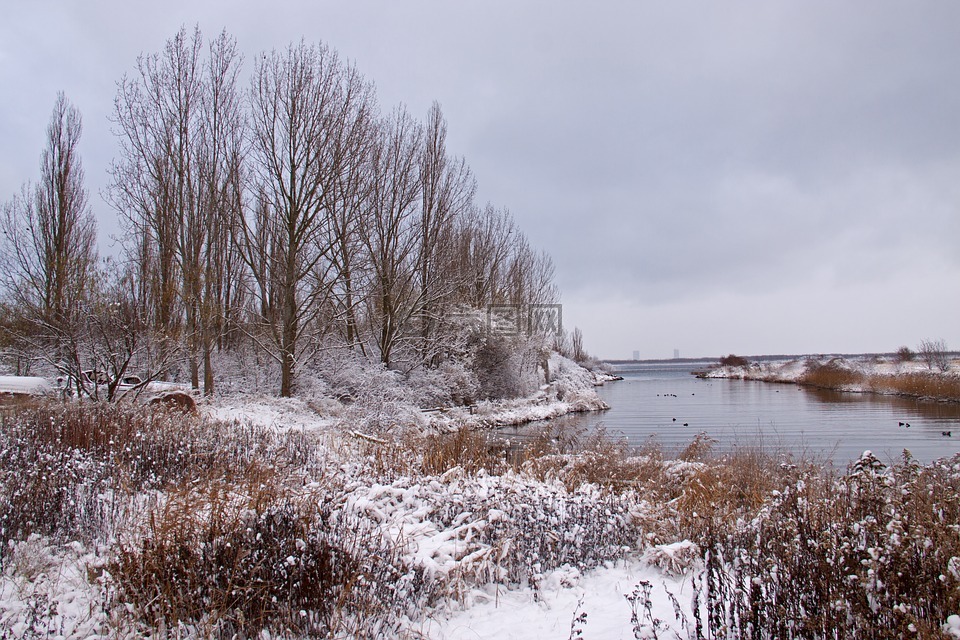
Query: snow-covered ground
x=553, y=611
x=45, y=592
x=55, y=599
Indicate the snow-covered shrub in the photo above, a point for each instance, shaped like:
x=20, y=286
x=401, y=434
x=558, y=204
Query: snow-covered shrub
x=952, y=626
x=243, y=368
x=46, y=488
x=676, y=558
x=868, y=553
x=448, y=385
x=507, y=366
x=351, y=377
x=243, y=558
x=28, y=559
x=567, y=376
x=468, y=531
x=387, y=417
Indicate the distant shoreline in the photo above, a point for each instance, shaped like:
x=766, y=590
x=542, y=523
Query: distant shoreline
x=883, y=374
x=766, y=358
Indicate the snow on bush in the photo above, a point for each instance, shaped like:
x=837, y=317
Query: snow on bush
x=868, y=552
x=467, y=531
x=952, y=626
x=676, y=558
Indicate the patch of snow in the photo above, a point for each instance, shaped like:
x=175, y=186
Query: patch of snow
x=549, y=613
x=25, y=385
x=952, y=626
x=283, y=414
x=44, y=592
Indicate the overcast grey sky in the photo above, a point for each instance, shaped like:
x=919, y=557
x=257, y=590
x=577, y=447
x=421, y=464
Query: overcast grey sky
x=747, y=177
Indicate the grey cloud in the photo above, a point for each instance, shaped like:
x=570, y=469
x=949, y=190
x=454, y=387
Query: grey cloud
x=664, y=153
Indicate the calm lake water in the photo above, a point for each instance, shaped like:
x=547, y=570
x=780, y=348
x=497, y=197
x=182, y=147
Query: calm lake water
x=665, y=401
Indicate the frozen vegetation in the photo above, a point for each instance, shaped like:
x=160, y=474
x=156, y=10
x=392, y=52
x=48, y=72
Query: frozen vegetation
x=315, y=517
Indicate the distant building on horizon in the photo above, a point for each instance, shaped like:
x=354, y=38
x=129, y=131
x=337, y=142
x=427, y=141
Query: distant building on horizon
x=636, y=355
x=676, y=354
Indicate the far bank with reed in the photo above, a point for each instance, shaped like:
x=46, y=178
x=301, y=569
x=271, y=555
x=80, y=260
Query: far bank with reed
x=887, y=375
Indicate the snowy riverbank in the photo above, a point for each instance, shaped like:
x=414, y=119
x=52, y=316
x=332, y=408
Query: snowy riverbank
x=386, y=408
x=867, y=374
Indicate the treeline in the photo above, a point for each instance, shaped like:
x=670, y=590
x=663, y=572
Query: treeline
x=291, y=215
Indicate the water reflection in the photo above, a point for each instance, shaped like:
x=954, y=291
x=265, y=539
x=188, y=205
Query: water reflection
x=928, y=409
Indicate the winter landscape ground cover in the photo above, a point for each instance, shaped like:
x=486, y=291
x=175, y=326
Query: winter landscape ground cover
x=293, y=518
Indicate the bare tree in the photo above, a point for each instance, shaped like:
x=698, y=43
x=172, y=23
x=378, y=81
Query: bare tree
x=215, y=291
x=391, y=232
x=47, y=252
x=935, y=354
x=302, y=106
x=530, y=275
x=180, y=127
x=49, y=248
x=577, y=351
x=448, y=188
x=155, y=186
x=483, y=244
x=348, y=200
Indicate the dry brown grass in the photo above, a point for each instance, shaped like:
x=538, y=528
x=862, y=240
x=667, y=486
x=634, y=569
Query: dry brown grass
x=595, y=458
x=939, y=386
x=918, y=384
x=830, y=376
x=468, y=449
x=223, y=557
x=727, y=488
x=243, y=548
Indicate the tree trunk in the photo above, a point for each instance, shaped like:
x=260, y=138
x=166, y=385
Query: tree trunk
x=207, y=371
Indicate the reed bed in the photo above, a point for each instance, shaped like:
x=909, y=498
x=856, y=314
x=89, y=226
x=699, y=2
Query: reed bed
x=919, y=385
x=935, y=386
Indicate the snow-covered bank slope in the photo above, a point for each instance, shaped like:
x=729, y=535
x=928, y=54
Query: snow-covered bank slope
x=571, y=390
x=775, y=371
x=387, y=407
